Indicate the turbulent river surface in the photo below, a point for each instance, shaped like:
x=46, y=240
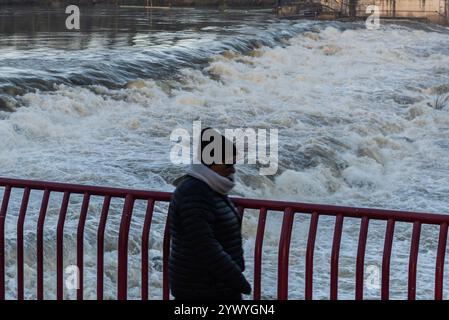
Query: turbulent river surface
x=355, y=110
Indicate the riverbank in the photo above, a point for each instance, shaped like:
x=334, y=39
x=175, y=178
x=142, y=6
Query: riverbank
x=175, y=3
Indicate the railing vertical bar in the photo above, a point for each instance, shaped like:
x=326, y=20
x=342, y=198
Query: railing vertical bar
x=145, y=246
x=60, y=247
x=3, y=211
x=361, y=258
x=439, y=269
x=20, y=224
x=80, y=246
x=309, y=256
x=165, y=257
x=283, y=257
x=258, y=253
x=335, y=257
x=385, y=294
x=100, y=246
x=40, y=245
x=122, y=283
x=413, y=261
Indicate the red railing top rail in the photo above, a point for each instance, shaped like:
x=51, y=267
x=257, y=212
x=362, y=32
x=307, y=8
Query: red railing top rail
x=331, y=210
x=82, y=189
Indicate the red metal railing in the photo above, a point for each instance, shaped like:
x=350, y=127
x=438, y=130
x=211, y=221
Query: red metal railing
x=289, y=210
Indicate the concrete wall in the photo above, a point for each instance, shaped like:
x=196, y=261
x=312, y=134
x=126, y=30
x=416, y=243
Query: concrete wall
x=433, y=10
x=51, y=2
x=230, y=3
x=402, y=8
x=204, y=3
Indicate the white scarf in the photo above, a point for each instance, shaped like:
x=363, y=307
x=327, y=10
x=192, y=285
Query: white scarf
x=215, y=181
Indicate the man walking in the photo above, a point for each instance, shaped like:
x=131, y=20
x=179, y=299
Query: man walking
x=206, y=260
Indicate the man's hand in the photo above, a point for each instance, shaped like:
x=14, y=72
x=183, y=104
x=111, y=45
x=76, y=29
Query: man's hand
x=246, y=288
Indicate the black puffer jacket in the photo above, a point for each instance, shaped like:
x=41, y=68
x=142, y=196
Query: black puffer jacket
x=206, y=259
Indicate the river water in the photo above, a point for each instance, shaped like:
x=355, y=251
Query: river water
x=353, y=108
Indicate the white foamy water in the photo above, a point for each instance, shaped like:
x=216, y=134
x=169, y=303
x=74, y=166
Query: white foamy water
x=355, y=128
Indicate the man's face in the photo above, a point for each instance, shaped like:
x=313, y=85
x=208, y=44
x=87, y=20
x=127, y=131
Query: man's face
x=224, y=170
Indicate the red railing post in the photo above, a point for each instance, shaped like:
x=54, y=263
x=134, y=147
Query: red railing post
x=40, y=245
x=20, y=224
x=439, y=269
x=335, y=256
x=413, y=261
x=359, y=282
x=309, y=256
x=283, y=257
x=122, y=282
x=385, y=295
x=80, y=246
x=3, y=211
x=100, y=246
x=258, y=253
x=145, y=247
x=60, y=247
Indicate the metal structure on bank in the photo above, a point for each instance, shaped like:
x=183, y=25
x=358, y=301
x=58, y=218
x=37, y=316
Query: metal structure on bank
x=436, y=11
